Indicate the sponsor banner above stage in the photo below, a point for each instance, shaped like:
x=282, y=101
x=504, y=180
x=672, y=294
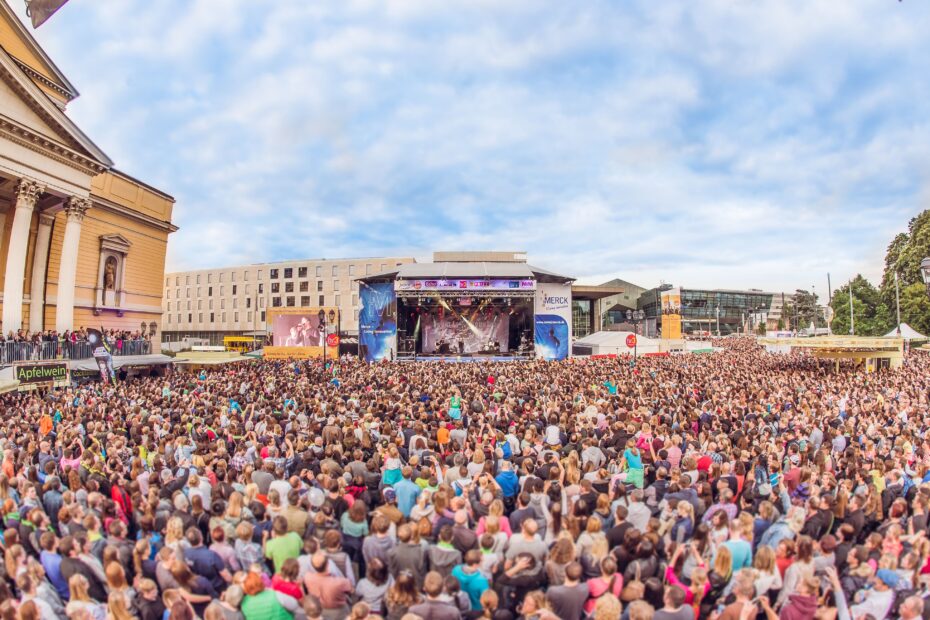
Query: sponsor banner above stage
x=465, y=284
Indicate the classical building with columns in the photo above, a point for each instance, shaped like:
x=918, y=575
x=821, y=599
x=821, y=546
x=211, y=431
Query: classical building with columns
x=81, y=244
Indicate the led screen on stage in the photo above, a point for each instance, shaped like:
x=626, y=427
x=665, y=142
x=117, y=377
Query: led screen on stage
x=466, y=331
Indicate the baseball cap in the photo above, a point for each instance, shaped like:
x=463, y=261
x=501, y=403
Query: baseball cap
x=390, y=495
x=888, y=577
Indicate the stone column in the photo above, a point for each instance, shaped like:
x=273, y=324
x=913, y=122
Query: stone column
x=39, y=266
x=64, y=312
x=27, y=192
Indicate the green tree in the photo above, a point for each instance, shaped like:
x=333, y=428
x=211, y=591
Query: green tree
x=761, y=329
x=903, y=257
x=805, y=310
x=915, y=307
x=870, y=313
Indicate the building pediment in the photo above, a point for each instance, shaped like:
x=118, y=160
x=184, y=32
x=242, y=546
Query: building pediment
x=115, y=243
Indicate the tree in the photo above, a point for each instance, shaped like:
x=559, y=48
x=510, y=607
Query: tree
x=870, y=313
x=806, y=310
x=915, y=307
x=903, y=257
x=761, y=328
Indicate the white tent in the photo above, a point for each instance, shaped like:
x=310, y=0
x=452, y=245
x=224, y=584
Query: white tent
x=614, y=343
x=907, y=332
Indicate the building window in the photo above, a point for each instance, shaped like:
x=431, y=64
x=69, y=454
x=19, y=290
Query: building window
x=168, y=293
x=211, y=304
x=212, y=319
x=261, y=302
x=335, y=285
x=234, y=289
x=248, y=302
x=319, y=286
x=177, y=280
x=337, y=300
x=263, y=316
x=304, y=286
x=288, y=272
x=335, y=270
x=222, y=304
x=290, y=302
x=188, y=304
x=301, y=272
x=305, y=300
x=288, y=287
x=235, y=302
x=259, y=275
x=223, y=317
x=222, y=293
x=200, y=304
x=209, y=278
x=232, y=276
x=199, y=293
x=354, y=300
x=276, y=302
x=248, y=317
x=322, y=300
x=319, y=271
x=209, y=291
x=355, y=314
x=274, y=274
x=179, y=318
x=221, y=276
x=198, y=278
x=200, y=317
x=275, y=287
x=245, y=276
x=177, y=292
x=351, y=270
x=187, y=280
x=235, y=317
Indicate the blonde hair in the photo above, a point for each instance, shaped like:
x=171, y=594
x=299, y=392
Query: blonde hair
x=78, y=586
x=174, y=531
x=608, y=607
x=118, y=608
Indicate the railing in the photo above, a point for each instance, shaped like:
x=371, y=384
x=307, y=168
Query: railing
x=52, y=350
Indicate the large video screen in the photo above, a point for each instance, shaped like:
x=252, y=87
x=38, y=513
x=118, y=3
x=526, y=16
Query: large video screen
x=466, y=331
x=294, y=330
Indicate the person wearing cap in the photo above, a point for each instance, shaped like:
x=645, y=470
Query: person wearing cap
x=389, y=507
x=878, y=600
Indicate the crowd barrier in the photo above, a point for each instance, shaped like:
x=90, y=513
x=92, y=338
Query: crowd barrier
x=11, y=352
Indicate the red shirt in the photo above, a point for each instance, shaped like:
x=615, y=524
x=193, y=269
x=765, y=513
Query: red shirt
x=286, y=587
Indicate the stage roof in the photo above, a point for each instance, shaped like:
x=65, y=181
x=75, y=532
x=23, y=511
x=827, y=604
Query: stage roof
x=451, y=271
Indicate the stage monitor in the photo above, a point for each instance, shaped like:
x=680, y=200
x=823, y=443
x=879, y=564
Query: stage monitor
x=302, y=332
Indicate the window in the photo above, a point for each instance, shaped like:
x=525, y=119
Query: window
x=235, y=317
x=288, y=272
x=319, y=271
x=322, y=300
x=177, y=280
x=222, y=304
x=261, y=289
x=248, y=302
x=209, y=291
x=200, y=304
x=304, y=286
x=354, y=300
x=319, y=285
x=177, y=292
x=235, y=302
x=274, y=274
x=276, y=302
x=368, y=269
x=232, y=276
x=261, y=302
x=290, y=302
x=245, y=276
x=305, y=300
x=259, y=275
x=188, y=304
x=337, y=300
x=212, y=319
x=221, y=276
x=301, y=272
x=248, y=317
x=199, y=293
x=211, y=304
x=263, y=316
x=351, y=270
x=221, y=291
x=179, y=318
x=356, y=315
x=198, y=278
x=187, y=280
x=234, y=289
x=288, y=287
x=200, y=317
x=275, y=287
x=223, y=317
x=335, y=285
x=168, y=294
x=187, y=292
x=335, y=270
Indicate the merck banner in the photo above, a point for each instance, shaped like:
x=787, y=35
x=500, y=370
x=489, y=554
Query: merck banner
x=553, y=320
x=377, y=321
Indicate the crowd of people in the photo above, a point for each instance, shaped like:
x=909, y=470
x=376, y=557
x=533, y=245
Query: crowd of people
x=733, y=485
x=25, y=345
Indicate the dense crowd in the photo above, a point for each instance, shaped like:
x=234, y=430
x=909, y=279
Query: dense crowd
x=732, y=485
x=24, y=345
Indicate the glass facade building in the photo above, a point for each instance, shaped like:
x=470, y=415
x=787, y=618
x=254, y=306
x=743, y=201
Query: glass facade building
x=709, y=312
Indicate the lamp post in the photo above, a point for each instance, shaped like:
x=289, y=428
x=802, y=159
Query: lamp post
x=321, y=315
x=925, y=272
x=636, y=317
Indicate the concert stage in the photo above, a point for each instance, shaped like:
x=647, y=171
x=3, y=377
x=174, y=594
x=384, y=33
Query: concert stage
x=465, y=311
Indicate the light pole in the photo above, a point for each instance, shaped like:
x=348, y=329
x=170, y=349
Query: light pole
x=636, y=317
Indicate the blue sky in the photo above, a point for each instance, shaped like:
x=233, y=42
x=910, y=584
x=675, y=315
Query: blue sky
x=721, y=143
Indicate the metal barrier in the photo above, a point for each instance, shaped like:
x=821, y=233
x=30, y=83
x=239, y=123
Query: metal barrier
x=11, y=352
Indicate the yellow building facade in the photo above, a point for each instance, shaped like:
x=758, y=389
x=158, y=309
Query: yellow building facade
x=81, y=244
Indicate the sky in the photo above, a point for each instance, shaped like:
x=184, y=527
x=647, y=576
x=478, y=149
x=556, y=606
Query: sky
x=721, y=143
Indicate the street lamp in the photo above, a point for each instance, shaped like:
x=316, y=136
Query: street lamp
x=321, y=315
x=925, y=272
x=636, y=317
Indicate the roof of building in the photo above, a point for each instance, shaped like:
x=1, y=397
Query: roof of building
x=451, y=271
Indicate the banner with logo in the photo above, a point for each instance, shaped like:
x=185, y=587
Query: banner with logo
x=553, y=320
x=377, y=321
x=34, y=374
x=671, y=314
x=102, y=354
